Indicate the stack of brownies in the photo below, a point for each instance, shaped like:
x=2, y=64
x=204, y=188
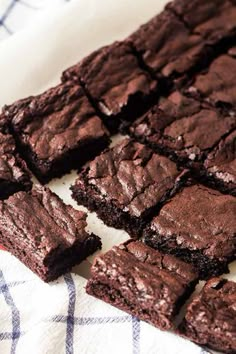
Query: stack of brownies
x=171, y=184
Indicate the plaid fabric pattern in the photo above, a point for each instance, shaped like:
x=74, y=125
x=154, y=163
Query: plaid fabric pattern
x=15, y=14
x=61, y=318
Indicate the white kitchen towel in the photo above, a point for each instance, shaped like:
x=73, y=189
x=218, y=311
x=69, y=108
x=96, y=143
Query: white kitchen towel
x=16, y=14
x=58, y=318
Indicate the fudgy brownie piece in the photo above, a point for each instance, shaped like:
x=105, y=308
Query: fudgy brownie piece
x=169, y=47
x=57, y=130
x=47, y=235
x=115, y=82
x=182, y=128
x=199, y=226
x=221, y=165
x=211, y=316
x=218, y=83
x=145, y=283
x=125, y=184
x=14, y=175
x=213, y=20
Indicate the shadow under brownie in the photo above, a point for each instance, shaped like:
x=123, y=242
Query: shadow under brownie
x=45, y=234
x=211, y=316
x=57, y=130
x=198, y=225
x=126, y=184
x=143, y=282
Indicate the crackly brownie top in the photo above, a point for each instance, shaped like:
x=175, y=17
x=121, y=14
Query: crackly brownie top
x=131, y=176
x=155, y=279
x=211, y=315
x=218, y=83
x=56, y=121
x=11, y=169
x=211, y=19
x=39, y=222
x=167, y=45
x=182, y=125
x=199, y=218
x=222, y=160
x=112, y=75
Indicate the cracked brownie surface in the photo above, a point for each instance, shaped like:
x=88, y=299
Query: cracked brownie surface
x=211, y=316
x=57, y=130
x=44, y=233
x=129, y=180
x=115, y=82
x=14, y=175
x=198, y=225
x=147, y=284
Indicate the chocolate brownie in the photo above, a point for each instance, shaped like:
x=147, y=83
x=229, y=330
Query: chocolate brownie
x=57, y=130
x=145, y=283
x=126, y=184
x=213, y=20
x=168, y=46
x=211, y=316
x=218, y=83
x=47, y=235
x=116, y=83
x=199, y=226
x=14, y=175
x=179, y=127
x=221, y=165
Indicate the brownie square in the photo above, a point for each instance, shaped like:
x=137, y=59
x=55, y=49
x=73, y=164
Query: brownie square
x=182, y=128
x=45, y=234
x=14, y=175
x=217, y=84
x=213, y=20
x=198, y=225
x=210, y=319
x=126, y=184
x=143, y=282
x=116, y=83
x=168, y=46
x=221, y=165
x=57, y=130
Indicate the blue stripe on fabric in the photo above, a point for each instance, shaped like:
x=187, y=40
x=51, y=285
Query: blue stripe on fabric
x=71, y=313
x=14, y=310
x=136, y=335
x=84, y=321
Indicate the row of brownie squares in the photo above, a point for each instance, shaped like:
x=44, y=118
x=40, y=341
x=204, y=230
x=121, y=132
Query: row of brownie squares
x=50, y=237
x=154, y=287
x=132, y=187
x=63, y=128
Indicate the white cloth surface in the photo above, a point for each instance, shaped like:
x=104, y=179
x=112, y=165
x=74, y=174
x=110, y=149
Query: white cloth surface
x=60, y=317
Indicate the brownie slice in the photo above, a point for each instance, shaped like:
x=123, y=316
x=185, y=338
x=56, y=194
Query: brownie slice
x=221, y=165
x=182, y=128
x=143, y=282
x=213, y=20
x=47, y=235
x=217, y=84
x=199, y=226
x=126, y=184
x=57, y=130
x=14, y=175
x=211, y=316
x=116, y=83
x=167, y=46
